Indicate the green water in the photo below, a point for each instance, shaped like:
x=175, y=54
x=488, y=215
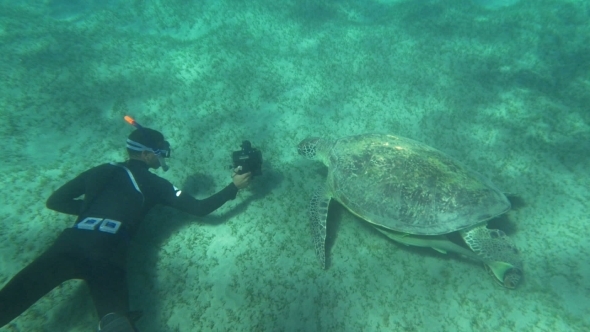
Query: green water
x=502, y=86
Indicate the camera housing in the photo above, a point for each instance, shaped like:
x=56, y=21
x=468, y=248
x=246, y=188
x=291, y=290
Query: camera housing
x=249, y=158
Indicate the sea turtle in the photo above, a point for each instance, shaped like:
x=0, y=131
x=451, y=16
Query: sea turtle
x=415, y=195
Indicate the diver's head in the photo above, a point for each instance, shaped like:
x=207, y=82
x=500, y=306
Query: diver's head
x=149, y=146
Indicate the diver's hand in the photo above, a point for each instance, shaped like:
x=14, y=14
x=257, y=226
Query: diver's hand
x=241, y=180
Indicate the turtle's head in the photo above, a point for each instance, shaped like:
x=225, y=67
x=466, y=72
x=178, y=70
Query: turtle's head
x=308, y=147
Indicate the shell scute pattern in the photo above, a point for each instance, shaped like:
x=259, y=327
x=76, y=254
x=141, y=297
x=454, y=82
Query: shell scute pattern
x=407, y=186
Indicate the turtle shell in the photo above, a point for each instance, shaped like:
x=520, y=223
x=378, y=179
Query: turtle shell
x=408, y=186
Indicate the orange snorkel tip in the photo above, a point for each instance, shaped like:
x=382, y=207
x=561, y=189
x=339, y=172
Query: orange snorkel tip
x=132, y=122
x=129, y=120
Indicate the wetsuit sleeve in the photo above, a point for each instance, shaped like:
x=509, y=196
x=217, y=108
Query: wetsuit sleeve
x=64, y=199
x=189, y=204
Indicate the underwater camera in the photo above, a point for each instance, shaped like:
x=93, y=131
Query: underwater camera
x=249, y=158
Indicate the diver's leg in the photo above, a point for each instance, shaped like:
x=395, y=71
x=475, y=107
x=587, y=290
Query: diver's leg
x=115, y=322
x=109, y=291
x=108, y=288
x=38, y=278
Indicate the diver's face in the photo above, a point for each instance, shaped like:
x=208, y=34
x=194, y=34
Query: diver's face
x=151, y=159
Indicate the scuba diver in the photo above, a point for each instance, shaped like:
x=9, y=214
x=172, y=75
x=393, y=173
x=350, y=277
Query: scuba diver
x=116, y=198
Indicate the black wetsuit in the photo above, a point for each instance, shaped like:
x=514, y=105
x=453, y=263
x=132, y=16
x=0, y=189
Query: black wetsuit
x=98, y=257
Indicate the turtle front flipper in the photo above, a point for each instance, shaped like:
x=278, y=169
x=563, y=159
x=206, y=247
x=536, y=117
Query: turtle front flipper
x=318, y=215
x=499, y=253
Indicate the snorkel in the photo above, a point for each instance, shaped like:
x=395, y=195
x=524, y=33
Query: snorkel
x=160, y=153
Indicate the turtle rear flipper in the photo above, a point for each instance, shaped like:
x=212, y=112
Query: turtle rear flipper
x=439, y=243
x=318, y=215
x=498, y=252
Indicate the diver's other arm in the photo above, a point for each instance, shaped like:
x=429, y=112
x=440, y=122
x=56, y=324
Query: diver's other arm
x=64, y=199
